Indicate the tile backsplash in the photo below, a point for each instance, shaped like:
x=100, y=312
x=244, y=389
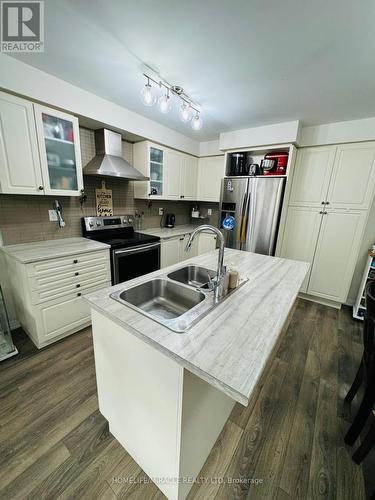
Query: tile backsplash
x=24, y=218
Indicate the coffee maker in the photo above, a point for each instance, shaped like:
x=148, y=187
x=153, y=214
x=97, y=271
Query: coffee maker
x=170, y=220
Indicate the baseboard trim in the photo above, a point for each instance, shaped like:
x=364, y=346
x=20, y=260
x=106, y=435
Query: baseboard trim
x=320, y=300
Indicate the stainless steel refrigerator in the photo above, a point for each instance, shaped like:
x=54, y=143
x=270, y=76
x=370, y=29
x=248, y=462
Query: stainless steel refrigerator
x=250, y=212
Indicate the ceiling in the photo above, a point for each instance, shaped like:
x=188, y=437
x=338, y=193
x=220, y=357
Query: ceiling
x=246, y=62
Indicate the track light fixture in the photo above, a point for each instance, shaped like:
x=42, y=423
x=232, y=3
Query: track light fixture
x=188, y=110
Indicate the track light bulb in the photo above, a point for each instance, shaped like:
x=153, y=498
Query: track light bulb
x=196, y=122
x=185, y=112
x=147, y=96
x=165, y=104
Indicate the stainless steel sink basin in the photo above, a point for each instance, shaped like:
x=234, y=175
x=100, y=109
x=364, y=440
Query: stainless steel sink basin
x=162, y=299
x=175, y=305
x=193, y=275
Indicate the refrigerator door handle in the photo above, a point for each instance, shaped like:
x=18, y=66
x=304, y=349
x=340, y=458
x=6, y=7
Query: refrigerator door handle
x=245, y=218
x=241, y=222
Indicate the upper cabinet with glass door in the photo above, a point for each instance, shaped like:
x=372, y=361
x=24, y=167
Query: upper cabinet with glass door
x=60, y=153
x=151, y=160
x=157, y=160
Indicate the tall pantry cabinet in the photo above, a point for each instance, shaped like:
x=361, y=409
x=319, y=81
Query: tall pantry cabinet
x=330, y=197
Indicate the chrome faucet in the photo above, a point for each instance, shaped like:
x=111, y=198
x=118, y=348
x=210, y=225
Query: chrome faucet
x=221, y=270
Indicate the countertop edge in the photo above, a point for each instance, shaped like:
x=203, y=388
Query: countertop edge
x=229, y=391
x=100, y=246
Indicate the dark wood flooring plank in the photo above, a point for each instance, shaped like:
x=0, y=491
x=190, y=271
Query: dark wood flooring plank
x=322, y=481
x=85, y=443
x=20, y=455
x=37, y=472
x=217, y=463
x=123, y=476
x=143, y=489
x=40, y=407
x=87, y=484
x=245, y=458
x=349, y=476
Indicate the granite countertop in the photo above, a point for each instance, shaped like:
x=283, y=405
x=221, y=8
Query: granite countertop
x=230, y=346
x=165, y=232
x=50, y=249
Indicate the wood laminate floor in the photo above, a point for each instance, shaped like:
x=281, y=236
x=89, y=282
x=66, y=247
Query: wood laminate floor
x=288, y=444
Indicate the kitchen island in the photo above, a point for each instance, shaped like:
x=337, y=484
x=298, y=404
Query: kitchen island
x=168, y=395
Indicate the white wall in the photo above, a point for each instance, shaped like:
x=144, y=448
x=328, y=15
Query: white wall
x=210, y=148
x=20, y=78
x=340, y=132
x=278, y=133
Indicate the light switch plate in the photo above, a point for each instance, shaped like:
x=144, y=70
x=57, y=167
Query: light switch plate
x=209, y=211
x=52, y=215
x=161, y=211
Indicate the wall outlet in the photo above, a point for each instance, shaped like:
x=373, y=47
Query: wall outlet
x=161, y=211
x=52, y=215
x=209, y=211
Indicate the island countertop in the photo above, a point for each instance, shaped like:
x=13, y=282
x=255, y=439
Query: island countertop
x=230, y=346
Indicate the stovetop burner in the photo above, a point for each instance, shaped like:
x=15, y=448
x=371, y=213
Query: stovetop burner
x=117, y=231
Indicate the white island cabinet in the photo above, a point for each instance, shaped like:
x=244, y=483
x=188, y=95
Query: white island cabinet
x=167, y=395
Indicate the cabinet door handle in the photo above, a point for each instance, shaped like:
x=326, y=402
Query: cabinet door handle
x=323, y=202
x=321, y=212
x=327, y=202
x=76, y=274
x=40, y=188
x=79, y=294
x=78, y=285
x=75, y=261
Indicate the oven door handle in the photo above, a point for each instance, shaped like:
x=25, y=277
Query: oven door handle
x=138, y=249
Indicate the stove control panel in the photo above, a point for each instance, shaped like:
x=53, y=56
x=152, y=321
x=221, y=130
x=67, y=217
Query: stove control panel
x=115, y=221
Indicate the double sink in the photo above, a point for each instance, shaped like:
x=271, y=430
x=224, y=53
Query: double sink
x=176, y=300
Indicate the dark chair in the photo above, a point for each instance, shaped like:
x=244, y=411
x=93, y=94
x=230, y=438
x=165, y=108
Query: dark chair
x=365, y=375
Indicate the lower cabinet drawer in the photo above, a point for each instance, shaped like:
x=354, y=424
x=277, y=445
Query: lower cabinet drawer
x=69, y=287
x=60, y=316
x=60, y=266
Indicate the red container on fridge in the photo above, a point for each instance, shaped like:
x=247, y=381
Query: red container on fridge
x=281, y=158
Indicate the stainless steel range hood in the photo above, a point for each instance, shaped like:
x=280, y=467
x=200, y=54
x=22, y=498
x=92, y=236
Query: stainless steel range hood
x=108, y=161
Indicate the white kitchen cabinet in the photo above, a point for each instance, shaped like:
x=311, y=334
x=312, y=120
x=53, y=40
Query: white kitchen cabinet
x=20, y=170
x=300, y=236
x=312, y=175
x=39, y=149
x=175, y=172
x=173, y=250
x=188, y=178
x=336, y=254
x=206, y=242
x=173, y=175
x=331, y=194
x=353, y=177
x=169, y=252
x=48, y=294
x=211, y=171
x=60, y=151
